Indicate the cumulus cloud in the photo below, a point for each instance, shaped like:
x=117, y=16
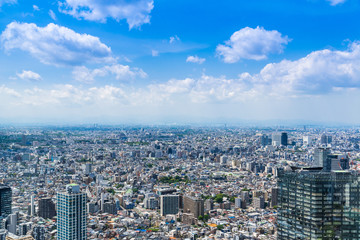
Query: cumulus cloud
x=314, y=80
x=29, y=75
x=319, y=72
x=52, y=15
x=251, y=43
x=121, y=72
x=136, y=12
x=54, y=44
x=195, y=59
x=36, y=8
x=336, y=2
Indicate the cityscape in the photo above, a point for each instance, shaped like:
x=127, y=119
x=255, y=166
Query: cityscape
x=167, y=182
x=179, y=120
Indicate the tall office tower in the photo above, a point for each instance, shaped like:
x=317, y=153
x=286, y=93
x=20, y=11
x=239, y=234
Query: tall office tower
x=194, y=205
x=320, y=156
x=5, y=203
x=169, y=204
x=274, y=196
x=316, y=204
x=280, y=139
x=323, y=158
x=284, y=139
x=47, y=208
x=71, y=214
x=325, y=139
x=32, y=205
x=265, y=140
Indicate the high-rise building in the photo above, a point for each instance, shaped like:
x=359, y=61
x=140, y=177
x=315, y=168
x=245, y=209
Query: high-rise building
x=5, y=202
x=259, y=202
x=239, y=203
x=169, y=204
x=71, y=214
x=274, y=196
x=315, y=204
x=320, y=156
x=324, y=159
x=110, y=207
x=194, y=205
x=280, y=139
x=47, y=208
x=325, y=139
x=265, y=140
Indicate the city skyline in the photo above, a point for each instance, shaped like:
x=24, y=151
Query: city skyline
x=146, y=61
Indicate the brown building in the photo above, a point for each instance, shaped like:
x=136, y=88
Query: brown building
x=194, y=205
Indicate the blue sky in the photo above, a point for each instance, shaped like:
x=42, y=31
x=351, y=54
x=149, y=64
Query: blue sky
x=149, y=61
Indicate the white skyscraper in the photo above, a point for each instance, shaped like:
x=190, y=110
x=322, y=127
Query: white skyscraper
x=71, y=214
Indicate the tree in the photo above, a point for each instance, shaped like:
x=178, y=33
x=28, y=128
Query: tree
x=201, y=218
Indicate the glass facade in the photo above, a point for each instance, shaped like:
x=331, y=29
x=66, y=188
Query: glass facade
x=5, y=203
x=318, y=205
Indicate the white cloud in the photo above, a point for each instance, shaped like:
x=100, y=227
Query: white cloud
x=195, y=59
x=36, y=8
x=325, y=79
x=2, y=2
x=173, y=39
x=121, y=72
x=336, y=2
x=52, y=15
x=250, y=43
x=54, y=44
x=136, y=12
x=320, y=72
x=29, y=75
x=154, y=53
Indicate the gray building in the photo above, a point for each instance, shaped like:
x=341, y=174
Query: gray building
x=47, y=208
x=259, y=202
x=280, y=139
x=169, y=204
